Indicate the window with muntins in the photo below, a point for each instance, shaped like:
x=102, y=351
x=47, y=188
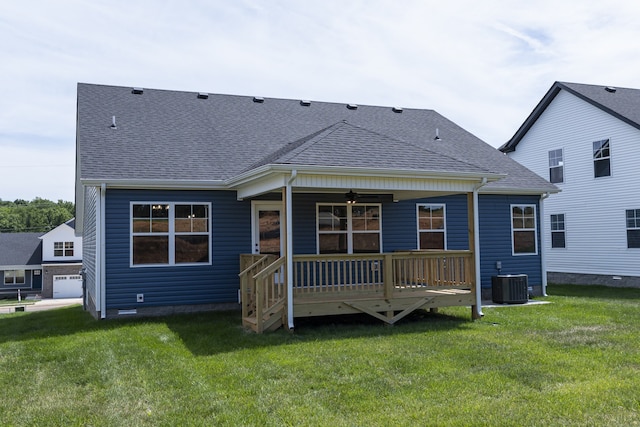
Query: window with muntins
x=14, y=277
x=601, y=158
x=557, y=231
x=523, y=230
x=170, y=233
x=62, y=248
x=556, y=166
x=431, y=226
x=633, y=228
x=348, y=228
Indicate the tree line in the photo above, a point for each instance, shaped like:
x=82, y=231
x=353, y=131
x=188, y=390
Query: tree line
x=38, y=215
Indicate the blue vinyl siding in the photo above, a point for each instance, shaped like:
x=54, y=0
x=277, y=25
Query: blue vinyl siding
x=400, y=226
x=176, y=285
x=495, y=239
x=231, y=236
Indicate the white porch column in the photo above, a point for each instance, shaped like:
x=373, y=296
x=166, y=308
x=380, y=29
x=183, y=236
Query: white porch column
x=289, y=240
x=476, y=249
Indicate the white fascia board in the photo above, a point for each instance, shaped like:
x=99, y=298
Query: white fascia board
x=174, y=184
x=21, y=267
x=361, y=172
x=518, y=191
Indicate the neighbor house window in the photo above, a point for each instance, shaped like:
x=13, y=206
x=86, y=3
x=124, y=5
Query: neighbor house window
x=14, y=277
x=557, y=231
x=170, y=233
x=431, y=227
x=348, y=228
x=62, y=248
x=556, y=166
x=601, y=158
x=633, y=228
x=523, y=229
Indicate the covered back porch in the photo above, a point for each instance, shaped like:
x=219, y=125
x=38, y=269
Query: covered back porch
x=278, y=285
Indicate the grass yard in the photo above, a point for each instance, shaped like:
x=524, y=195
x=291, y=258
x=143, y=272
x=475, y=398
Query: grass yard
x=575, y=362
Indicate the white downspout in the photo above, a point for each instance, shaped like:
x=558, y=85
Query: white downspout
x=476, y=246
x=289, y=214
x=102, y=253
x=543, y=244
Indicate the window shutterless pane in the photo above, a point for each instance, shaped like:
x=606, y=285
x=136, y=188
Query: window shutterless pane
x=633, y=239
x=524, y=242
x=150, y=249
x=557, y=239
x=556, y=175
x=20, y=277
x=366, y=243
x=432, y=240
x=160, y=225
x=192, y=248
x=332, y=243
x=601, y=168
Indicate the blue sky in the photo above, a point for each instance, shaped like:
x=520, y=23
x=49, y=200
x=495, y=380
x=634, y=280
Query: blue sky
x=484, y=65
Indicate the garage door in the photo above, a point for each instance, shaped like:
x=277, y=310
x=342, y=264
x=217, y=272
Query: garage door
x=67, y=286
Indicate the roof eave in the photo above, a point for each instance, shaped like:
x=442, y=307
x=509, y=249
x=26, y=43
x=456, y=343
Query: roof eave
x=359, y=171
x=510, y=145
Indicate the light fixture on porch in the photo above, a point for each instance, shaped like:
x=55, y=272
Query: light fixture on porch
x=351, y=197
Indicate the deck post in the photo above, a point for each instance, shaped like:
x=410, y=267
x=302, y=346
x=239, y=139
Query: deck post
x=388, y=276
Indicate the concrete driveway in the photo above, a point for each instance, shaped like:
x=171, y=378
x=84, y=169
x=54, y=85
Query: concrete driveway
x=45, y=304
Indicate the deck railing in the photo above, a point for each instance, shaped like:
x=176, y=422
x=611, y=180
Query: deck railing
x=382, y=273
x=263, y=290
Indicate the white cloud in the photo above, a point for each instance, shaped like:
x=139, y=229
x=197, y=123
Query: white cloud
x=484, y=65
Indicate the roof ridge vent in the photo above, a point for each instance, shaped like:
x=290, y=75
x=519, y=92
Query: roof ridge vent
x=397, y=109
x=137, y=91
x=203, y=95
x=305, y=103
x=352, y=106
x=610, y=89
x=258, y=99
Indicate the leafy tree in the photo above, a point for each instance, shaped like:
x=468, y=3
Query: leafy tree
x=39, y=215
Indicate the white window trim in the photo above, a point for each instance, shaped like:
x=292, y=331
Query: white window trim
x=627, y=228
x=609, y=157
x=419, y=230
x=64, y=249
x=349, y=231
x=535, y=228
x=564, y=230
x=564, y=177
x=14, y=275
x=171, y=234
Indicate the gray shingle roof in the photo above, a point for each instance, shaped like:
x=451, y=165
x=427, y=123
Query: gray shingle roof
x=623, y=103
x=169, y=135
x=20, y=249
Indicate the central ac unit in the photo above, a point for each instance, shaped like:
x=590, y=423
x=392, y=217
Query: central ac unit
x=510, y=289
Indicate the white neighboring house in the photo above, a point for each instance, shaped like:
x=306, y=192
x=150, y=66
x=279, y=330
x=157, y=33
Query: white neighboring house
x=62, y=262
x=586, y=139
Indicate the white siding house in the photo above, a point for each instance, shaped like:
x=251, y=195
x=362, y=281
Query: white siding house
x=586, y=140
x=62, y=262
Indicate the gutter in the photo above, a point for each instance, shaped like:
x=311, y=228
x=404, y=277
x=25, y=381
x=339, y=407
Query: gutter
x=543, y=257
x=476, y=248
x=101, y=249
x=289, y=214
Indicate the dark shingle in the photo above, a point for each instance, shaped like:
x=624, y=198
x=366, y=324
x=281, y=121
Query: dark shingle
x=20, y=249
x=169, y=135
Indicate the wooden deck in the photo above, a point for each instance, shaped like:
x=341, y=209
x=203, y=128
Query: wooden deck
x=386, y=286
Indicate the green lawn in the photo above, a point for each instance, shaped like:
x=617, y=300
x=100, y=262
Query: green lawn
x=574, y=362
